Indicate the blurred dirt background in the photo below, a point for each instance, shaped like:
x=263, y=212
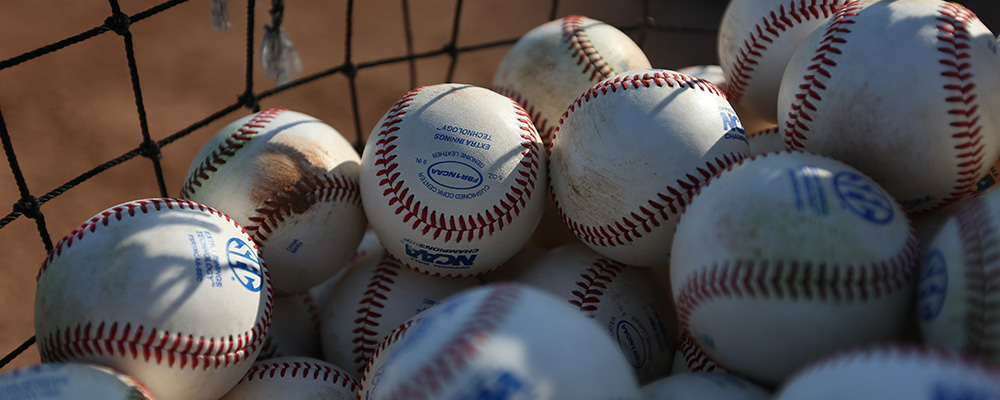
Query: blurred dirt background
x=74, y=109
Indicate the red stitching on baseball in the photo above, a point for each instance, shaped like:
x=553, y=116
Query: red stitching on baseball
x=302, y=369
x=672, y=199
x=370, y=311
x=978, y=234
x=768, y=31
x=453, y=228
x=542, y=125
x=592, y=284
x=799, y=117
x=137, y=341
x=696, y=359
x=228, y=149
x=325, y=188
x=581, y=48
x=436, y=372
x=394, y=336
x=954, y=45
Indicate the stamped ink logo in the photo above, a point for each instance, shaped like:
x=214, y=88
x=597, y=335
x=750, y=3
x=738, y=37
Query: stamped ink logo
x=631, y=343
x=497, y=384
x=244, y=263
x=933, y=286
x=732, y=126
x=807, y=186
x=439, y=257
x=455, y=175
x=863, y=198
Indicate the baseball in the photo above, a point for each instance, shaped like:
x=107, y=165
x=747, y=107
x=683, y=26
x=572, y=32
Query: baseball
x=168, y=291
x=766, y=141
x=371, y=298
x=294, y=378
x=70, y=380
x=624, y=300
x=503, y=340
x=292, y=182
x=690, y=358
x=956, y=297
x=755, y=41
x=767, y=281
x=927, y=144
x=548, y=67
x=627, y=154
x=704, y=386
x=381, y=353
x=892, y=372
x=294, y=328
x=453, y=179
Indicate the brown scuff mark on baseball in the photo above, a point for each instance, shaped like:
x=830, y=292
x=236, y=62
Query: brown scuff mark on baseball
x=282, y=168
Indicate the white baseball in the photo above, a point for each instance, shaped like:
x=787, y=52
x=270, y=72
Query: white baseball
x=552, y=64
x=690, y=358
x=755, y=41
x=371, y=298
x=766, y=141
x=704, y=386
x=168, y=291
x=627, y=154
x=370, y=247
x=292, y=182
x=790, y=256
x=916, y=109
x=503, y=340
x=373, y=369
x=626, y=301
x=294, y=328
x=892, y=372
x=294, y=378
x=957, y=299
x=70, y=380
x=453, y=179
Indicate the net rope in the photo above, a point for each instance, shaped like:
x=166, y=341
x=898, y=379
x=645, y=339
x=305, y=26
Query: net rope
x=119, y=23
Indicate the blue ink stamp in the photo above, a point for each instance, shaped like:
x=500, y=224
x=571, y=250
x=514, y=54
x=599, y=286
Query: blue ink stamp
x=631, y=343
x=863, y=197
x=807, y=186
x=455, y=175
x=244, y=263
x=933, y=286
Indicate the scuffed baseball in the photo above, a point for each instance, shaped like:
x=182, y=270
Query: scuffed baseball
x=168, y=291
x=504, y=340
x=892, y=372
x=704, y=386
x=916, y=109
x=624, y=300
x=294, y=378
x=627, y=154
x=551, y=65
x=755, y=41
x=788, y=257
x=371, y=298
x=453, y=179
x=957, y=298
x=291, y=181
x=68, y=381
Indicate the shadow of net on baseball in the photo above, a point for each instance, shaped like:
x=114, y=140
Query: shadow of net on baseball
x=261, y=49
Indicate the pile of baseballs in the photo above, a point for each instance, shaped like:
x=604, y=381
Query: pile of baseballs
x=811, y=218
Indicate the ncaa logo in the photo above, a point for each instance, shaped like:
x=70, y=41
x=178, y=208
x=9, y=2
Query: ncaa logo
x=244, y=263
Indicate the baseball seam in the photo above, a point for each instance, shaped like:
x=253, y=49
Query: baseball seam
x=124, y=339
x=453, y=228
x=673, y=199
x=575, y=35
x=592, y=283
x=978, y=234
x=428, y=379
x=370, y=311
x=303, y=369
x=696, y=359
x=799, y=117
x=954, y=43
x=394, y=336
x=767, y=31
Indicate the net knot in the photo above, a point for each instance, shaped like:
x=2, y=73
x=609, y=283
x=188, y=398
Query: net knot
x=118, y=22
x=249, y=100
x=150, y=150
x=29, y=206
x=350, y=69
